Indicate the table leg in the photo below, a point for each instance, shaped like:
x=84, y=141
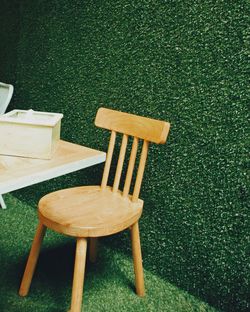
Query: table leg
x=2, y=203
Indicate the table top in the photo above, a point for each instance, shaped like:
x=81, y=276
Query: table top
x=19, y=172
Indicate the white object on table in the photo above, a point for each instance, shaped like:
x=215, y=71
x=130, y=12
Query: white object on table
x=19, y=172
x=6, y=92
x=29, y=133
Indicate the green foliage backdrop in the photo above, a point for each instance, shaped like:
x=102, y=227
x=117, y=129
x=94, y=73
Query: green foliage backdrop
x=180, y=61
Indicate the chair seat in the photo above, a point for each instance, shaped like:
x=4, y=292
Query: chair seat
x=88, y=211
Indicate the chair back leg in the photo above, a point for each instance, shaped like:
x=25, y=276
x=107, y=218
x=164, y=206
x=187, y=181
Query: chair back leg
x=93, y=245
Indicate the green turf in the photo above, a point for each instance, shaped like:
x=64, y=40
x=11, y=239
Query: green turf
x=109, y=284
x=179, y=60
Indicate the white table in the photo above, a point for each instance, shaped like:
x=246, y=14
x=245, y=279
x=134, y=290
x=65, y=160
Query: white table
x=19, y=172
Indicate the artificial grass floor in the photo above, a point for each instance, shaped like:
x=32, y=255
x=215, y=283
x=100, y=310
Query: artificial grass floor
x=109, y=284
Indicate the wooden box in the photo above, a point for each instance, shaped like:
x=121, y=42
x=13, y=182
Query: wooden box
x=29, y=133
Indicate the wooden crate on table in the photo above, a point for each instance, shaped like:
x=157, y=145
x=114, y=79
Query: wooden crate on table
x=29, y=133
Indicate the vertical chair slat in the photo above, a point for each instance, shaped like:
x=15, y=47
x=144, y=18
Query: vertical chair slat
x=140, y=171
x=131, y=166
x=108, y=160
x=120, y=162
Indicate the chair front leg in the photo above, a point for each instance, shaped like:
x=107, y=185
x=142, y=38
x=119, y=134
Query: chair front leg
x=78, y=279
x=137, y=257
x=32, y=260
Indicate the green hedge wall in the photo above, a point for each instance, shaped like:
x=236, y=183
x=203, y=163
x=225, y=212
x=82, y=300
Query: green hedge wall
x=180, y=61
x=9, y=38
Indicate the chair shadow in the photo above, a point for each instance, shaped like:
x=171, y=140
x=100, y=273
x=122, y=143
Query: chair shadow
x=52, y=280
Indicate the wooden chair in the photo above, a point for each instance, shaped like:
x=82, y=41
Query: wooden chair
x=95, y=211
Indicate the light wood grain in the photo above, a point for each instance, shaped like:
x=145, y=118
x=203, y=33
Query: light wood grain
x=140, y=172
x=120, y=163
x=131, y=166
x=79, y=270
x=18, y=172
x=32, y=260
x=144, y=128
x=88, y=211
x=108, y=160
x=137, y=257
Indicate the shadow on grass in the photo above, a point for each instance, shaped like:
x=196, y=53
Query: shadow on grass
x=52, y=281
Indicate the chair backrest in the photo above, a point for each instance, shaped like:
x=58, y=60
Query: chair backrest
x=6, y=92
x=146, y=129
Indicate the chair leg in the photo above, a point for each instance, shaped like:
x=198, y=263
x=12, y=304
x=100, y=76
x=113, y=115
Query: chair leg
x=78, y=279
x=137, y=257
x=93, y=244
x=32, y=260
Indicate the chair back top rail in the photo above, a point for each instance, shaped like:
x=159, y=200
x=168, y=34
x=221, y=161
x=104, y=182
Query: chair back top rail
x=152, y=130
x=147, y=129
